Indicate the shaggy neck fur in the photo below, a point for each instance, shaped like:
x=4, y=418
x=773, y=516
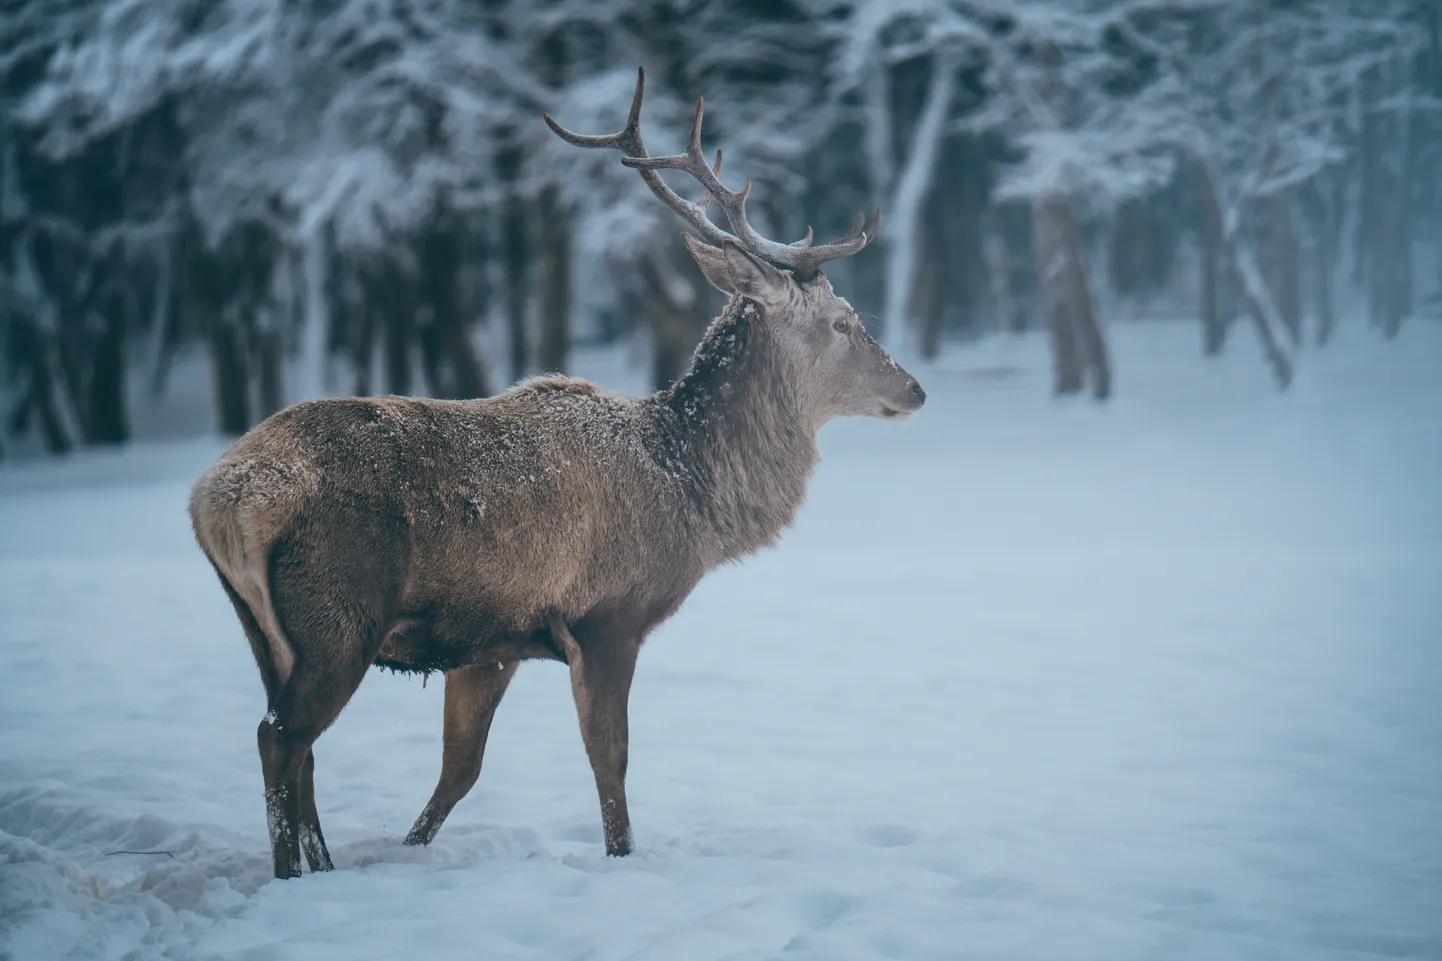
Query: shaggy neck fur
x=734, y=432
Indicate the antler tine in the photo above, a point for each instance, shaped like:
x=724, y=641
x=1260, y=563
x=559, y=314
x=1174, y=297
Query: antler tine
x=705, y=200
x=808, y=260
x=859, y=236
x=694, y=145
x=805, y=260
x=733, y=202
x=629, y=142
x=800, y=257
x=857, y=227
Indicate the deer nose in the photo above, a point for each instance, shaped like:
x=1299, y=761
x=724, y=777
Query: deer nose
x=917, y=393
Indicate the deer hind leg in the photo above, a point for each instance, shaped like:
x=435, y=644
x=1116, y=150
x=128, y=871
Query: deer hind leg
x=312, y=841
x=308, y=703
x=602, y=665
x=323, y=597
x=472, y=696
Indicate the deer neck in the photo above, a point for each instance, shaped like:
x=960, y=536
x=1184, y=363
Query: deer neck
x=736, y=429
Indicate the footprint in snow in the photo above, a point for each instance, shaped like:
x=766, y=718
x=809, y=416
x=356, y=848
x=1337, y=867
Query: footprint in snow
x=888, y=836
x=821, y=909
x=995, y=887
x=586, y=833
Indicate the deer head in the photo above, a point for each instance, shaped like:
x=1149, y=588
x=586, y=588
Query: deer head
x=840, y=369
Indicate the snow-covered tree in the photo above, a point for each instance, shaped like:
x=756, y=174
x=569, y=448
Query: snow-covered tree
x=1256, y=98
x=209, y=174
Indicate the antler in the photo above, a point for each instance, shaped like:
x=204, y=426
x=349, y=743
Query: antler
x=800, y=257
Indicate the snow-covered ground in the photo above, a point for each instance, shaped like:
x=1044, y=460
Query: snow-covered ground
x=1026, y=680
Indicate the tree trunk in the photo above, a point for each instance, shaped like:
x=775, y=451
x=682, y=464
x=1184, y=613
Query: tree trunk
x=358, y=313
x=674, y=305
x=471, y=379
x=52, y=424
x=1083, y=310
x=1276, y=238
x=1398, y=282
x=1281, y=263
x=1049, y=237
x=1249, y=286
x=107, y=419
x=362, y=339
x=40, y=400
x=907, y=248
x=1372, y=196
x=1078, y=347
x=1010, y=263
x=928, y=299
x=398, y=331
x=668, y=351
x=553, y=349
x=669, y=347
x=1324, y=262
x=1214, y=323
x=1430, y=83
x=401, y=295
x=166, y=319
x=73, y=355
x=453, y=365
x=514, y=255
x=1434, y=182
x=230, y=377
x=271, y=372
x=997, y=266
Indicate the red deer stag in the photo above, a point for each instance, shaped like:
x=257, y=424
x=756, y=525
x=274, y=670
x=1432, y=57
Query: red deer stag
x=556, y=520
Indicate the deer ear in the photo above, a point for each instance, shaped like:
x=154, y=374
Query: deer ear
x=711, y=261
x=754, y=279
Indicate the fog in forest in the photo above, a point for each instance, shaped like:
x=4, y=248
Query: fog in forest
x=209, y=211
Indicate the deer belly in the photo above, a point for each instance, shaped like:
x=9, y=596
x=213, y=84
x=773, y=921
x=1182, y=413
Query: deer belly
x=426, y=644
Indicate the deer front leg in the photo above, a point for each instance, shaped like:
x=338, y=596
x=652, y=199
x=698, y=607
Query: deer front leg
x=472, y=696
x=602, y=666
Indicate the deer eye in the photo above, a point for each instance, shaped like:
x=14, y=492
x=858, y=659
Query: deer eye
x=840, y=326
